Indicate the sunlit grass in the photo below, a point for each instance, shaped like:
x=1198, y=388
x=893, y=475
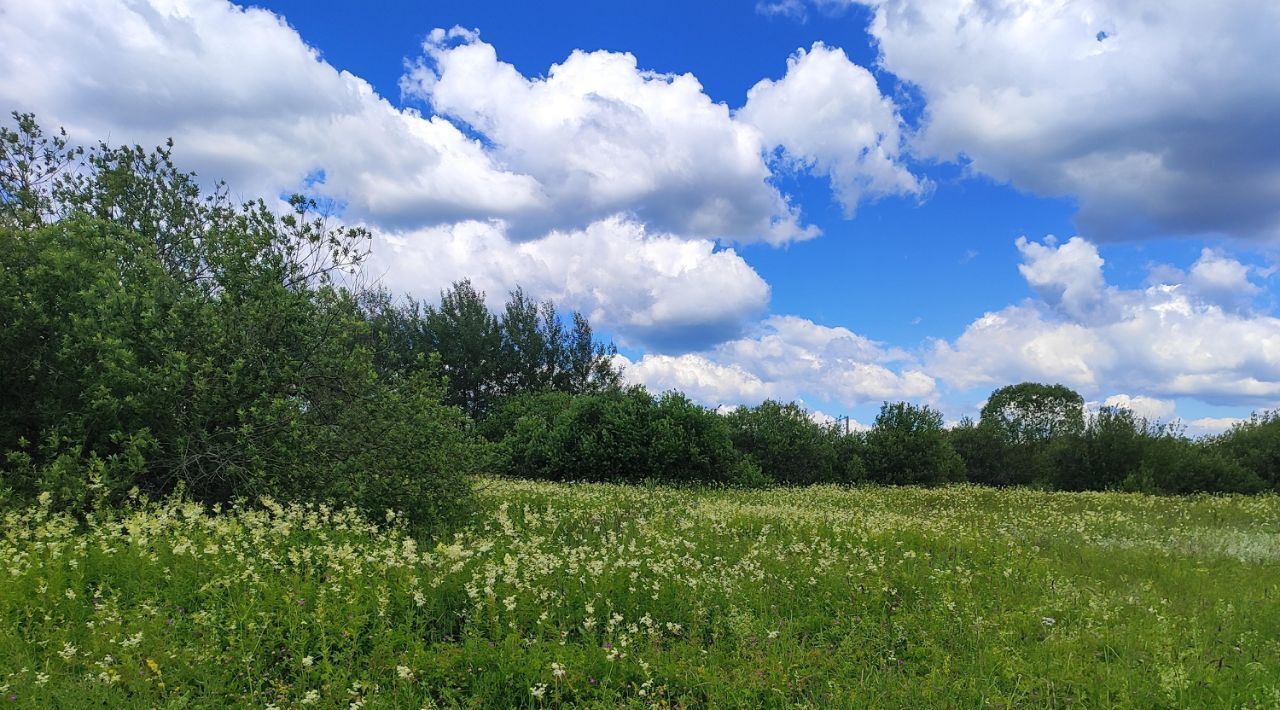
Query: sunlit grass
x=614, y=595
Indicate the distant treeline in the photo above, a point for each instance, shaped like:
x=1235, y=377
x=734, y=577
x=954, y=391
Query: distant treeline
x=1028, y=434
x=155, y=337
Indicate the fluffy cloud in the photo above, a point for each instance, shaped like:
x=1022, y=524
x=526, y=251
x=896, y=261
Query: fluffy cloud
x=604, y=136
x=846, y=424
x=829, y=117
x=248, y=102
x=653, y=288
x=251, y=103
x=699, y=377
x=1067, y=277
x=1211, y=425
x=1160, y=117
x=1166, y=340
x=1150, y=408
x=600, y=184
x=789, y=358
x=1219, y=279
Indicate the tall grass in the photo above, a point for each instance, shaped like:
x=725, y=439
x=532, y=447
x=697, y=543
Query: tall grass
x=601, y=595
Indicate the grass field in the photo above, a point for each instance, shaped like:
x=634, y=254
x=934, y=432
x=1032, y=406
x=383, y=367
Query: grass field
x=608, y=596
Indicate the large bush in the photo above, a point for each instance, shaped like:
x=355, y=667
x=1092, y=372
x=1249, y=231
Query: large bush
x=1255, y=444
x=907, y=445
x=154, y=338
x=790, y=447
x=617, y=435
x=1110, y=449
x=986, y=453
x=1175, y=465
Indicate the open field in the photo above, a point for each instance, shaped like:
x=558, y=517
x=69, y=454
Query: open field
x=612, y=595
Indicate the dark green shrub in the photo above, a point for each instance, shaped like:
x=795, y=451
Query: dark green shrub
x=692, y=443
x=1111, y=448
x=543, y=405
x=851, y=457
x=907, y=445
x=1178, y=466
x=154, y=338
x=402, y=449
x=622, y=435
x=1255, y=445
x=600, y=437
x=985, y=452
x=788, y=445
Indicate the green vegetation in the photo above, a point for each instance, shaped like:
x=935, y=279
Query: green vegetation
x=158, y=343
x=607, y=596
x=154, y=338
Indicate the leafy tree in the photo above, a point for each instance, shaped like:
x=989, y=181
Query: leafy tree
x=487, y=357
x=1176, y=465
x=601, y=437
x=589, y=365
x=788, y=445
x=532, y=344
x=691, y=443
x=1107, y=452
x=156, y=337
x=397, y=334
x=1028, y=417
x=621, y=435
x=1255, y=444
x=907, y=445
x=31, y=165
x=469, y=341
x=1033, y=413
x=985, y=452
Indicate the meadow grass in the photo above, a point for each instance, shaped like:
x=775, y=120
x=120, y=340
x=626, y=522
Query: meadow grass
x=602, y=595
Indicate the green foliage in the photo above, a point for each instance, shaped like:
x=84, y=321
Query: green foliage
x=1034, y=413
x=1173, y=465
x=603, y=437
x=539, y=405
x=907, y=445
x=487, y=357
x=790, y=447
x=692, y=443
x=1117, y=450
x=1255, y=443
x=1108, y=451
x=1027, y=420
x=154, y=338
x=986, y=454
x=618, y=435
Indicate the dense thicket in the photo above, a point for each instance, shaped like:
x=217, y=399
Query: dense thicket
x=1039, y=435
x=787, y=444
x=619, y=434
x=152, y=336
x=528, y=347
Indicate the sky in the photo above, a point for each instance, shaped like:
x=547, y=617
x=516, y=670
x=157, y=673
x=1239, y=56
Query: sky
x=842, y=202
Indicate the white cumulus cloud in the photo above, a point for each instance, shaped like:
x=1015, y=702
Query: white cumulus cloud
x=247, y=102
x=1158, y=116
x=1150, y=408
x=829, y=117
x=653, y=288
x=790, y=358
x=603, y=135
x=1166, y=340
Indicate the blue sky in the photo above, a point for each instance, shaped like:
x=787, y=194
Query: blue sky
x=820, y=201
